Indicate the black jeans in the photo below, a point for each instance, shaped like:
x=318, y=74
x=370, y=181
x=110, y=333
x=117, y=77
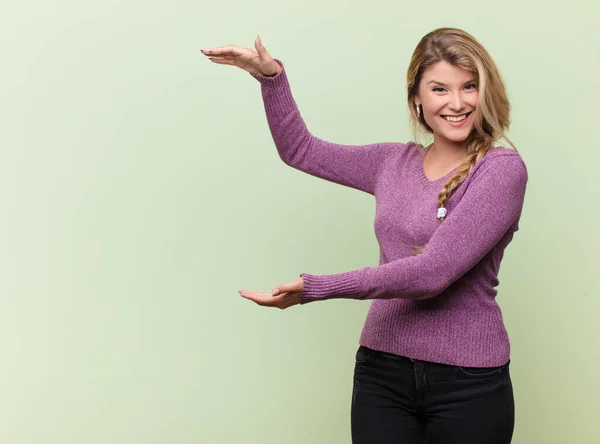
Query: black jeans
x=399, y=400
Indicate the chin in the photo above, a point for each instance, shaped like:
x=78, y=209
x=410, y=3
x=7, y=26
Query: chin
x=462, y=138
x=457, y=138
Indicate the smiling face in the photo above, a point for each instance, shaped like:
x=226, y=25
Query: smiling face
x=447, y=93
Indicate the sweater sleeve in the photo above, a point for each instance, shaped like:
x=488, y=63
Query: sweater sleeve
x=490, y=205
x=355, y=166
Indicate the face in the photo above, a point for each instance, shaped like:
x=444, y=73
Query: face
x=447, y=90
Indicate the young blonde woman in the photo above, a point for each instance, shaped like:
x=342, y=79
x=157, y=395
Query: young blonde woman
x=433, y=361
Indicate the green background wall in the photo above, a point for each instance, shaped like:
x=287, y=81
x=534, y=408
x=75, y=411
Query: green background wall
x=140, y=190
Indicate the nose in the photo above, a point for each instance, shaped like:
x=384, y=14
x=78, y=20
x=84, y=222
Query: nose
x=456, y=102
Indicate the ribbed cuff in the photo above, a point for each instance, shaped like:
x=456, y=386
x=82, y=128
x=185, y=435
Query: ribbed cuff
x=270, y=79
x=328, y=286
x=277, y=95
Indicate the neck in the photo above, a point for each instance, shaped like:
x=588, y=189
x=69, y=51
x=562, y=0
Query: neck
x=448, y=151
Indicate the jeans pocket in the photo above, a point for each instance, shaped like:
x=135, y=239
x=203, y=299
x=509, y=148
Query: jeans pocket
x=362, y=355
x=355, y=390
x=482, y=371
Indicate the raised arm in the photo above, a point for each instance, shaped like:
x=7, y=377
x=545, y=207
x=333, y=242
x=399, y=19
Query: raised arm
x=355, y=166
x=489, y=209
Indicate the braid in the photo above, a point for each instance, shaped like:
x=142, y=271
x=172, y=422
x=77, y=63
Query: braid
x=491, y=117
x=476, y=151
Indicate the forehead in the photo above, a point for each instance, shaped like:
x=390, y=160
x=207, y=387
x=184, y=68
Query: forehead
x=446, y=73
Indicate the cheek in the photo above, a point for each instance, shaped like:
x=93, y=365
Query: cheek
x=472, y=99
x=431, y=111
x=433, y=106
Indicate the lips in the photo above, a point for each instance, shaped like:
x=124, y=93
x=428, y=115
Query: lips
x=460, y=123
x=465, y=114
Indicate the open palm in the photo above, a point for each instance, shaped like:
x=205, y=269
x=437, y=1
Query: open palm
x=257, y=62
x=282, y=296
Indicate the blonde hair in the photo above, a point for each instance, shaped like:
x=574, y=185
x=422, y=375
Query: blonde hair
x=492, y=114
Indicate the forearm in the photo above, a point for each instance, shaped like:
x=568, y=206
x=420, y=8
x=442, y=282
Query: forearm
x=356, y=166
x=487, y=214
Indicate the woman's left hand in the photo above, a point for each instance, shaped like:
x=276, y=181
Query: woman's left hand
x=282, y=296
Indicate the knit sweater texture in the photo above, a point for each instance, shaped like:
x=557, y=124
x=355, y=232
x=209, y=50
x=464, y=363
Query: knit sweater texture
x=440, y=305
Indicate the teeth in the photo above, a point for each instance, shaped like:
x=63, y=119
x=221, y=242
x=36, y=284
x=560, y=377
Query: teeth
x=456, y=119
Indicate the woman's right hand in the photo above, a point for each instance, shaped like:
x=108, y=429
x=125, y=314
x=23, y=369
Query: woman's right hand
x=257, y=62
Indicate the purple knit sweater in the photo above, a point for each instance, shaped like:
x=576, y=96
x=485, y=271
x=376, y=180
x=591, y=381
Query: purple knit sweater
x=437, y=306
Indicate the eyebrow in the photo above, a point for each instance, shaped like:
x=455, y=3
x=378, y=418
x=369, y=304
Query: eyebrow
x=443, y=84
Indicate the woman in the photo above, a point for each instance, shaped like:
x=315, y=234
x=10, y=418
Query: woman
x=433, y=361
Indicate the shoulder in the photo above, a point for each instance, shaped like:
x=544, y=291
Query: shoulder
x=500, y=176
x=405, y=150
x=407, y=147
x=400, y=156
x=503, y=162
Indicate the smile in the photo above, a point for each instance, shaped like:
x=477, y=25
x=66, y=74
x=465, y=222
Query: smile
x=457, y=120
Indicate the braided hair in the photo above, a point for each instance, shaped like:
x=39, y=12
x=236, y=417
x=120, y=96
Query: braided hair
x=492, y=114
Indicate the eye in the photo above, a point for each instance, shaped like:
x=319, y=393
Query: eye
x=440, y=89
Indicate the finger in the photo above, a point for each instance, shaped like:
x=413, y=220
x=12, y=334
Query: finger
x=282, y=289
x=224, y=50
x=262, y=51
x=242, y=56
x=222, y=61
x=223, y=56
x=261, y=298
x=265, y=301
x=219, y=50
x=235, y=61
x=287, y=287
x=256, y=295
